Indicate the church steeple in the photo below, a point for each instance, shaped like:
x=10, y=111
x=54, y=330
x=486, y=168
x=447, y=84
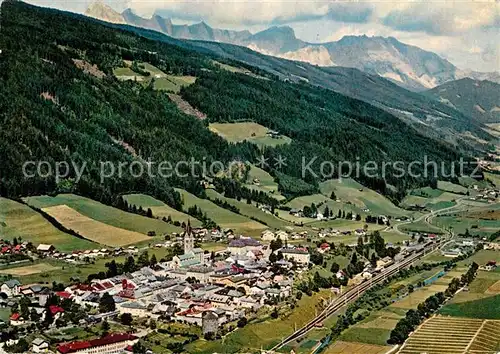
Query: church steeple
x=188, y=238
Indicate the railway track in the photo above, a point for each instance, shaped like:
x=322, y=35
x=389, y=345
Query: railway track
x=356, y=292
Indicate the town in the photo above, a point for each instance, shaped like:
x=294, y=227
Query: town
x=197, y=288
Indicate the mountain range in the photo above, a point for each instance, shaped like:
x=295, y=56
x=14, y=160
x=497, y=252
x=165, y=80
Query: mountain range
x=408, y=66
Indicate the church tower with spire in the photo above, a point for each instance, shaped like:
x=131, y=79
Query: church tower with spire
x=188, y=238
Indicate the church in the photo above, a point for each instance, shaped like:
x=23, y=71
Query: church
x=193, y=256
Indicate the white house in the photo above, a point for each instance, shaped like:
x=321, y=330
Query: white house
x=40, y=345
x=268, y=235
x=45, y=248
x=135, y=308
x=11, y=288
x=299, y=255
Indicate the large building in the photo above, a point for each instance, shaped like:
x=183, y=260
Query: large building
x=299, y=255
x=242, y=245
x=111, y=344
x=192, y=256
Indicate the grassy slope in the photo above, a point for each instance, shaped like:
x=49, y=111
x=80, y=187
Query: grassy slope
x=250, y=210
x=348, y=190
x=474, y=309
x=162, y=81
x=159, y=208
x=104, y=213
x=266, y=182
x=22, y=221
x=223, y=217
x=451, y=187
x=252, y=132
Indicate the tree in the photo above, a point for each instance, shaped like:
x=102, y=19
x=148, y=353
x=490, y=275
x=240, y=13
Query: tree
x=105, y=328
x=143, y=259
x=139, y=348
x=242, y=322
x=334, y=268
x=275, y=313
x=106, y=303
x=24, y=304
x=149, y=213
x=129, y=265
x=276, y=244
x=153, y=260
x=126, y=319
x=34, y=316
x=333, y=196
x=112, y=269
x=152, y=324
x=326, y=213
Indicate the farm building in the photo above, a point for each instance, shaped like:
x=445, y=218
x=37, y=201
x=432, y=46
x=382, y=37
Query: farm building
x=45, y=248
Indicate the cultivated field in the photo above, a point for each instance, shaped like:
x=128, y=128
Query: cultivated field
x=485, y=284
x=173, y=83
x=29, y=270
x=494, y=178
x=451, y=187
x=436, y=284
x=239, y=70
x=340, y=347
x=105, y=214
x=445, y=335
x=93, y=230
x=350, y=191
x=252, y=132
x=159, y=208
x=223, y=217
x=162, y=81
x=321, y=201
x=265, y=182
x=19, y=220
x=462, y=222
x=251, y=210
x=432, y=199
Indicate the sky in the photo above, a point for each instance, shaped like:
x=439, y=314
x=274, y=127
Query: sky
x=467, y=33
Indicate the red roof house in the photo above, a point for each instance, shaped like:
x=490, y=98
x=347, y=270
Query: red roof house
x=64, y=294
x=114, y=338
x=55, y=309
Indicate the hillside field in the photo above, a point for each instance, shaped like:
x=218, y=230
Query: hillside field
x=105, y=214
x=93, y=230
x=224, y=218
x=162, y=81
x=251, y=210
x=444, y=335
x=265, y=182
x=252, y=132
x=19, y=220
x=350, y=191
x=159, y=208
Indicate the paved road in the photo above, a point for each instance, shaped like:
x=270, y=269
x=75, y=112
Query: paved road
x=429, y=216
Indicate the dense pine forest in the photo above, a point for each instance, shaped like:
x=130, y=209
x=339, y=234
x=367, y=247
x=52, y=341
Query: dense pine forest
x=52, y=110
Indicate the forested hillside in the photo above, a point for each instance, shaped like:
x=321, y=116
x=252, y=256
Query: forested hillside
x=51, y=109
x=321, y=124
